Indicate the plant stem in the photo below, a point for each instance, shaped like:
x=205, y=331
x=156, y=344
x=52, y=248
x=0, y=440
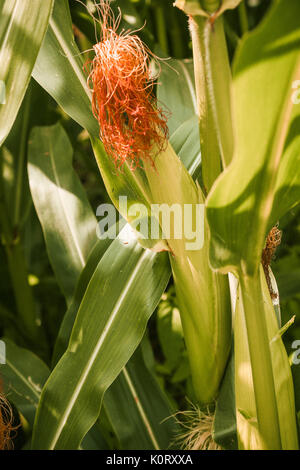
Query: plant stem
x=261, y=364
x=177, y=39
x=23, y=294
x=231, y=35
x=21, y=160
x=242, y=10
x=27, y=318
x=213, y=89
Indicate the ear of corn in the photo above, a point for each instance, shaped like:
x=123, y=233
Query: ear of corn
x=205, y=311
x=203, y=296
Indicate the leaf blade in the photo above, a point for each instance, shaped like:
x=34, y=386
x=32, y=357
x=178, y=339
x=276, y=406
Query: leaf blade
x=99, y=337
x=68, y=223
x=24, y=375
x=22, y=29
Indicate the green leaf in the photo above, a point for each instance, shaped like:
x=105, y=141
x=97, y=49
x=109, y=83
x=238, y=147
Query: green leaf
x=59, y=69
x=176, y=92
x=241, y=206
x=54, y=138
x=22, y=28
x=186, y=143
x=65, y=330
x=287, y=193
x=296, y=380
x=97, y=351
x=68, y=223
x=133, y=409
x=288, y=282
x=24, y=376
x=224, y=430
x=13, y=155
x=93, y=440
x=169, y=330
x=137, y=423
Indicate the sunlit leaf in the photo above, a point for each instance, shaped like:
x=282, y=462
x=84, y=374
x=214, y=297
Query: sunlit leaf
x=68, y=223
x=23, y=25
x=98, y=351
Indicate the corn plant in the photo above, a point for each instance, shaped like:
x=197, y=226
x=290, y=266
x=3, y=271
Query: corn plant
x=213, y=138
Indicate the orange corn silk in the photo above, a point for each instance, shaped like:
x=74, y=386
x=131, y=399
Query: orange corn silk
x=131, y=124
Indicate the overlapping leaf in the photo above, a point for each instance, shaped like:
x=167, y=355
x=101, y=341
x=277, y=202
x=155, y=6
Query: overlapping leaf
x=133, y=419
x=98, y=349
x=137, y=423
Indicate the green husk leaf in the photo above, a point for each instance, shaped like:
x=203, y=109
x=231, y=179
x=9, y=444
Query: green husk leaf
x=206, y=7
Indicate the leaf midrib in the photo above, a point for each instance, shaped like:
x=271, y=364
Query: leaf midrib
x=100, y=342
x=59, y=189
x=63, y=44
x=10, y=25
x=24, y=380
x=140, y=409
